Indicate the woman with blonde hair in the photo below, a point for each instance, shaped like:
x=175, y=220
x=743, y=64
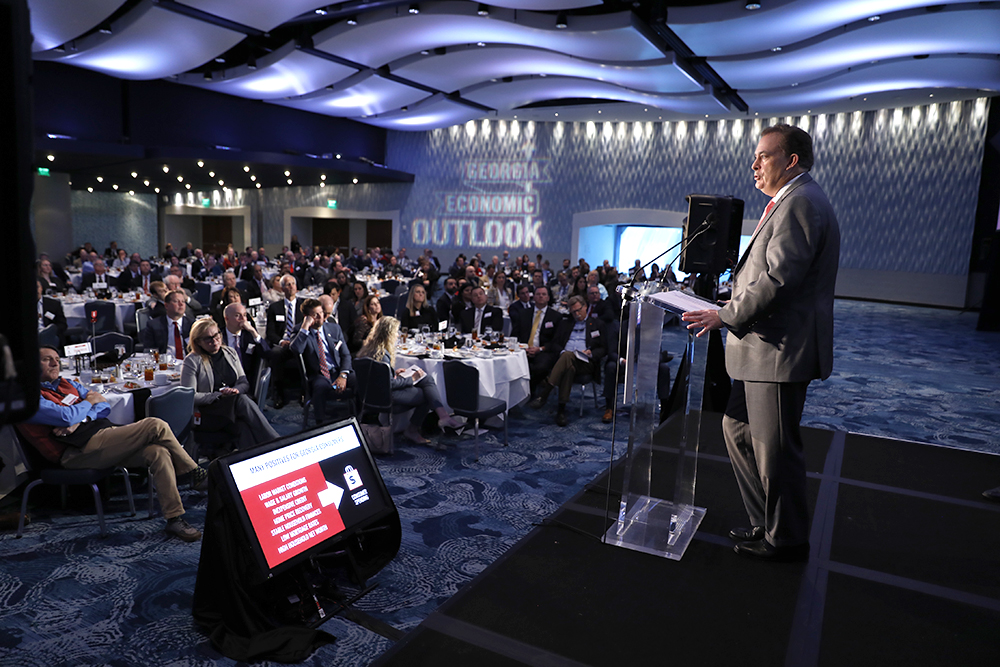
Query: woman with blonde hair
x=221, y=386
x=418, y=311
x=419, y=391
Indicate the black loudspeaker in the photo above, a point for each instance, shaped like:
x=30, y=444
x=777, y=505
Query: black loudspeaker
x=711, y=233
x=19, y=391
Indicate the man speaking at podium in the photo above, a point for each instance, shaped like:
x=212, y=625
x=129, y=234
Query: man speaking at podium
x=780, y=337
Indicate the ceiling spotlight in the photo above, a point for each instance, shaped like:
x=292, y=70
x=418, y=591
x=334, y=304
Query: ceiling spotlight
x=166, y=169
x=251, y=63
x=874, y=18
x=252, y=177
x=322, y=185
x=211, y=174
x=90, y=189
x=776, y=49
x=201, y=163
x=483, y=10
x=288, y=173
x=135, y=174
x=414, y=9
x=352, y=20
x=100, y=179
x=156, y=190
x=114, y=187
x=289, y=181
x=337, y=156
x=208, y=76
x=220, y=60
x=50, y=158
x=246, y=168
x=355, y=181
x=187, y=185
x=146, y=183
x=425, y=52
x=258, y=185
x=321, y=11
x=180, y=179
x=561, y=21
x=480, y=43
x=752, y=6
x=105, y=30
x=322, y=177
x=221, y=182
x=131, y=192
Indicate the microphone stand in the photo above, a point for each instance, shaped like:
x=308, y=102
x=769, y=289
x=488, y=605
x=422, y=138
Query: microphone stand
x=629, y=292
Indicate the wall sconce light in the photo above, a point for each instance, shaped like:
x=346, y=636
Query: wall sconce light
x=561, y=23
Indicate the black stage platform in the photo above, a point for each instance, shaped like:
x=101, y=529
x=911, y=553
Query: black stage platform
x=905, y=570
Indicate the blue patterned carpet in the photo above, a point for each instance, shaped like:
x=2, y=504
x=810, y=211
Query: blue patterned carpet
x=68, y=597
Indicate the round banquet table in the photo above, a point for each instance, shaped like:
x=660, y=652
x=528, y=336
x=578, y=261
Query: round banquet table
x=77, y=317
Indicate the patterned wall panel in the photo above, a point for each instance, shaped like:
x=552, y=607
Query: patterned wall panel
x=102, y=217
x=903, y=182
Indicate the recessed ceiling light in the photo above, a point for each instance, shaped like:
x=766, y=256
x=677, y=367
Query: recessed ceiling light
x=355, y=181
x=289, y=181
x=414, y=9
x=114, y=187
x=753, y=5
x=180, y=179
x=288, y=173
x=932, y=94
x=874, y=18
x=100, y=179
x=246, y=168
x=146, y=183
x=131, y=192
x=322, y=177
x=51, y=158
x=166, y=169
x=561, y=23
x=480, y=43
x=321, y=11
x=156, y=190
x=90, y=189
x=211, y=174
x=776, y=49
x=252, y=177
x=557, y=114
x=258, y=185
x=337, y=156
x=201, y=163
x=483, y=10
x=187, y=185
x=352, y=20
x=221, y=182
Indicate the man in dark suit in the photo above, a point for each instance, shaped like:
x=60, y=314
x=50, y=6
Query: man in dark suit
x=325, y=355
x=481, y=316
x=444, y=304
x=228, y=280
x=257, y=286
x=537, y=330
x=597, y=307
x=50, y=311
x=99, y=276
x=584, y=345
x=240, y=335
x=282, y=319
x=129, y=278
x=170, y=332
x=520, y=309
x=780, y=337
x=338, y=310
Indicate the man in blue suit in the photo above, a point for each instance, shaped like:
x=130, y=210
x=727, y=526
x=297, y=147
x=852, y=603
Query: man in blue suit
x=169, y=332
x=324, y=352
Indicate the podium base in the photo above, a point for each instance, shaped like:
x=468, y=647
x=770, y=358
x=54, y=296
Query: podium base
x=656, y=527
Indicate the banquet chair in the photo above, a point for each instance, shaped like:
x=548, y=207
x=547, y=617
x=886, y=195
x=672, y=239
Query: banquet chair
x=374, y=389
x=106, y=342
x=106, y=318
x=142, y=316
x=262, y=385
x=203, y=293
x=73, y=334
x=49, y=336
x=461, y=386
x=307, y=398
x=390, y=285
x=46, y=472
x=585, y=380
x=176, y=407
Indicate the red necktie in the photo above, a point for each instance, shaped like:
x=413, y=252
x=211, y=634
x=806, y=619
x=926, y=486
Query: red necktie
x=324, y=368
x=178, y=341
x=767, y=210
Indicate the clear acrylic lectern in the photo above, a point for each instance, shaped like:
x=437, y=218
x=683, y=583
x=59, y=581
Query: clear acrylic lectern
x=657, y=514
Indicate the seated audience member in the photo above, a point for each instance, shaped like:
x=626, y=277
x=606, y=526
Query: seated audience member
x=184, y=281
x=325, y=355
x=360, y=291
x=561, y=288
x=499, y=294
x=228, y=282
x=614, y=374
x=426, y=275
x=50, y=311
x=111, y=251
x=462, y=302
x=518, y=310
x=598, y=308
x=170, y=332
x=447, y=300
x=579, y=288
x=274, y=293
x=213, y=268
x=239, y=334
x=371, y=312
x=71, y=429
x=538, y=331
x=457, y=270
x=168, y=252
x=174, y=284
x=49, y=281
x=121, y=260
x=99, y=275
x=582, y=340
x=187, y=251
x=418, y=311
x=220, y=386
x=282, y=318
x=257, y=285
x=157, y=293
x=229, y=295
x=593, y=281
x=338, y=309
x=146, y=276
x=637, y=271
x=481, y=316
x=418, y=391
x=129, y=278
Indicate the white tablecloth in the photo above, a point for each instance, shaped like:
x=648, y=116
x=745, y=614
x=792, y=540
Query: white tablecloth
x=77, y=317
x=504, y=377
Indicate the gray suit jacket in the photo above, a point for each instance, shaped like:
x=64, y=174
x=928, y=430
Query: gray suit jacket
x=780, y=317
x=199, y=375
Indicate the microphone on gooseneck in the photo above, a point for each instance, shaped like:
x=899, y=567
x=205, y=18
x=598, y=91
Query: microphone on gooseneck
x=705, y=226
x=629, y=292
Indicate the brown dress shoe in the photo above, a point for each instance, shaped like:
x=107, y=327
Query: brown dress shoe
x=609, y=414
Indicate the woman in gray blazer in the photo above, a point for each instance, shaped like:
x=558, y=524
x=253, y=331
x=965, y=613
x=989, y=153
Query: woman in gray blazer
x=214, y=371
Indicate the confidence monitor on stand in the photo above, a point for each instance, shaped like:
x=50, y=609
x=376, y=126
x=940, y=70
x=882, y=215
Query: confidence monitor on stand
x=717, y=248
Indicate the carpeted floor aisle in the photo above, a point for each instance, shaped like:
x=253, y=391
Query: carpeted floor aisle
x=68, y=597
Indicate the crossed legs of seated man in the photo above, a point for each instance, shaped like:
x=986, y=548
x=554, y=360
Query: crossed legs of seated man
x=326, y=395
x=614, y=374
x=566, y=368
x=148, y=443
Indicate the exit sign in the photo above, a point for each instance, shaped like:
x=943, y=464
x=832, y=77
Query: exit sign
x=206, y=202
x=44, y=171
x=331, y=203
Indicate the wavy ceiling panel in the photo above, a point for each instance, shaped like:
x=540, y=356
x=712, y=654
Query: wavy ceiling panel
x=389, y=35
x=260, y=14
x=55, y=22
x=946, y=72
x=506, y=96
x=149, y=43
x=435, y=112
x=462, y=67
x=724, y=30
x=943, y=33
x=361, y=95
x=544, y=5
x=288, y=72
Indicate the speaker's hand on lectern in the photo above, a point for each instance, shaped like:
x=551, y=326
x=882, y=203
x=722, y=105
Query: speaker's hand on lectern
x=708, y=320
